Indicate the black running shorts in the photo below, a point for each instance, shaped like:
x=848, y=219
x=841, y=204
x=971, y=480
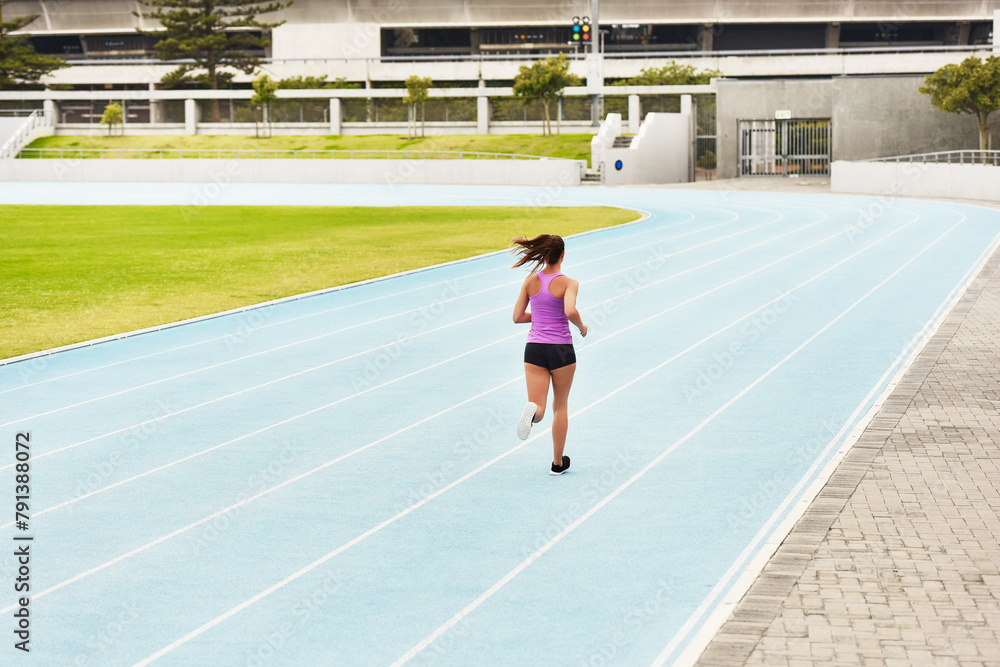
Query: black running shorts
x=549, y=355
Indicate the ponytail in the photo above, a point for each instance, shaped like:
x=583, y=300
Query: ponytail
x=541, y=250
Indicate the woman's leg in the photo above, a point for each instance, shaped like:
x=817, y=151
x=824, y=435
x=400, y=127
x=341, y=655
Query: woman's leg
x=562, y=380
x=538, y=388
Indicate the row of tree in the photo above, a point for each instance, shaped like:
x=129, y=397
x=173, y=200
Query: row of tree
x=219, y=35
x=541, y=82
x=265, y=92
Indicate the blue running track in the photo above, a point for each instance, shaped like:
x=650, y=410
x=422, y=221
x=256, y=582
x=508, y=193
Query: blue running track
x=336, y=479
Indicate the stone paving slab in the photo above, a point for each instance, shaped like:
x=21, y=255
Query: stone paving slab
x=897, y=561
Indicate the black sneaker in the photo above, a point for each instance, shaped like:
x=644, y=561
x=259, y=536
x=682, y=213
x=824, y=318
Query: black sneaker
x=558, y=470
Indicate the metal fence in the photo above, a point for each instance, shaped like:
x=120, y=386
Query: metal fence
x=948, y=157
x=784, y=147
x=256, y=154
x=705, y=150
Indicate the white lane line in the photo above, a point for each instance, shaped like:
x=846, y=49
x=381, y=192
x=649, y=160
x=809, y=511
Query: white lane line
x=676, y=306
x=672, y=308
x=344, y=456
x=338, y=331
x=749, y=573
x=646, y=217
x=234, y=334
x=447, y=625
x=231, y=612
x=264, y=429
x=246, y=309
x=263, y=352
x=395, y=342
x=263, y=493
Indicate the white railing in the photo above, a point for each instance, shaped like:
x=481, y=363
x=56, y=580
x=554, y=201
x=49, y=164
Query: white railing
x=616, y=55
x=257, y=154
x=948, y=157
x=25, y=134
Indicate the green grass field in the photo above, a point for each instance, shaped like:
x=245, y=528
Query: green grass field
x=574, y=146
x=74, y=273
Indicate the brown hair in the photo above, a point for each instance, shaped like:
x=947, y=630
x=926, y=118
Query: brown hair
x=543, y=249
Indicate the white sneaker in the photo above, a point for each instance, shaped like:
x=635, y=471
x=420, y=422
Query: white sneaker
x=524, y=425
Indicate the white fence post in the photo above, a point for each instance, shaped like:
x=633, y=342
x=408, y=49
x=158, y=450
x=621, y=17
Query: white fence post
x=482, y=115
x=51, y=111
x=634, y=114
x=336, y=115
x=996, y=35
x=190, y=117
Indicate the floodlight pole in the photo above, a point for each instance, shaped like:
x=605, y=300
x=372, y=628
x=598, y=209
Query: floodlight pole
x=595, y=64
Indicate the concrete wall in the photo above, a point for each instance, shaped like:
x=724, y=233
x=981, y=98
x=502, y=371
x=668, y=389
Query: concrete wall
x=326, y=40
x=752, y=100
x=883, y=116
x=392, y=172
x=8, y=126
x=905, y=179
x=117, y=14
x=872, y=116
x=659, y=153
x=609, y=130
x=362, y=68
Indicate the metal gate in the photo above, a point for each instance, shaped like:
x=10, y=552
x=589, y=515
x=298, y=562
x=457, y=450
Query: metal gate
x=704, y=138
x=784, y=147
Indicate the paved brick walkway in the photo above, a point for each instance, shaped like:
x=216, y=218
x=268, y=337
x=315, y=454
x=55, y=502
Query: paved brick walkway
x=897, y=561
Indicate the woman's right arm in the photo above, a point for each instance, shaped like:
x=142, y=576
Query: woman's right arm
x=521, y=316
x=569, y=304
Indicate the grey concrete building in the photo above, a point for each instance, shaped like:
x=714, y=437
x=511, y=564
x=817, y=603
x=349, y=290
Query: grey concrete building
x=870, y=116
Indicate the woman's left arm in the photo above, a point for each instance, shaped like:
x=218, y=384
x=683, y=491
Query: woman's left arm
x=521, y=316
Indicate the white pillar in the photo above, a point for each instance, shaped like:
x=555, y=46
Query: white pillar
x=155, y=107
x=634, y=114
x=190, y=117
x=51, y=111
x=483, y=115
x=687, y=107
x=336, y=115
x=686, y=104
x=996, y=31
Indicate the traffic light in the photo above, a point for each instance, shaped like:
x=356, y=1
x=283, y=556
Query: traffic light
x=581, y=29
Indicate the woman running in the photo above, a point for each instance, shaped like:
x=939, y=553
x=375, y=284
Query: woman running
x=549, y=354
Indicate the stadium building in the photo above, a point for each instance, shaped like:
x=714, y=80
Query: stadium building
x=838, y=78
x=363, y=40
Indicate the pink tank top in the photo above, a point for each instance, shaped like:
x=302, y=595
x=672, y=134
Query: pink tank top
x=549, y=323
